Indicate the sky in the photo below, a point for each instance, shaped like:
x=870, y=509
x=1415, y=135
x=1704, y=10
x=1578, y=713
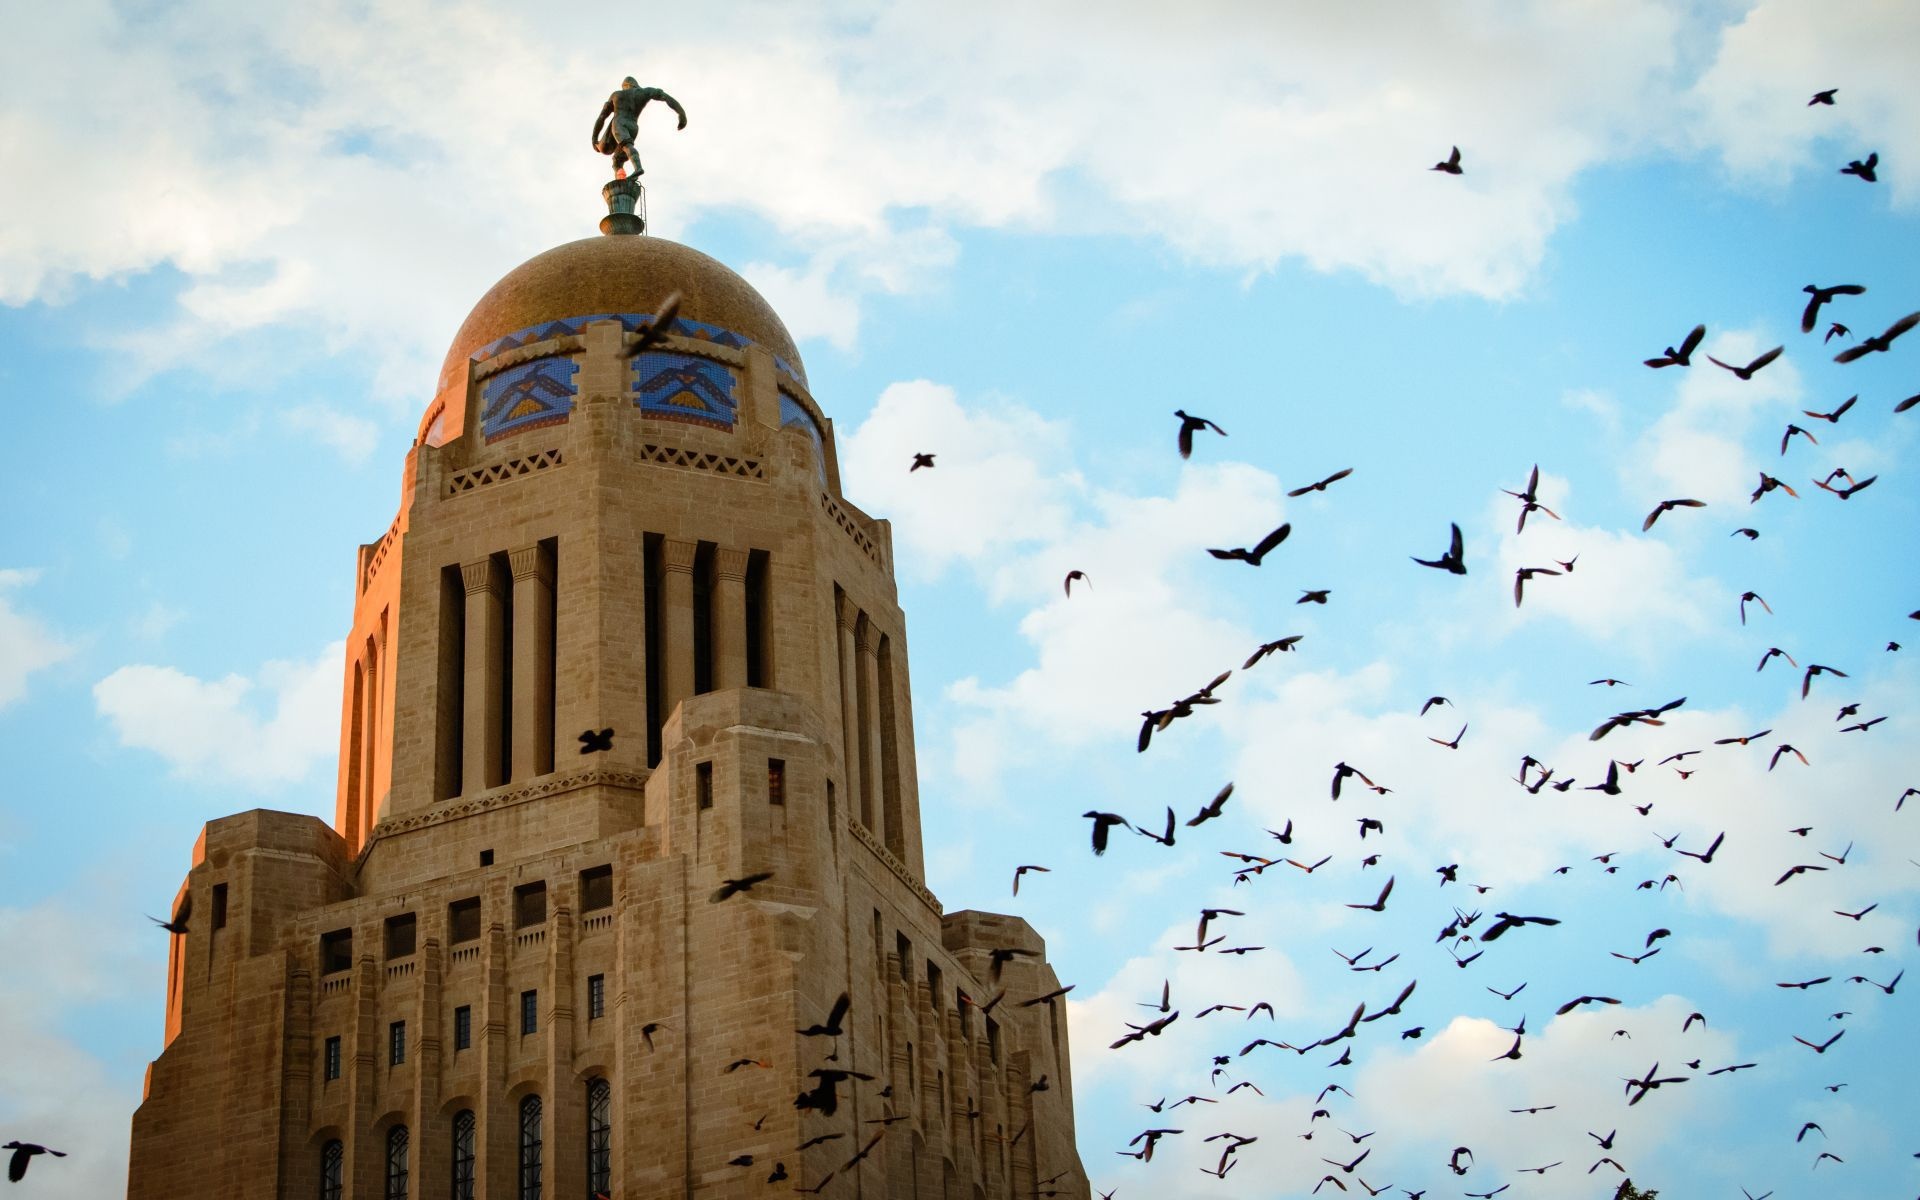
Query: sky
x=237, y=240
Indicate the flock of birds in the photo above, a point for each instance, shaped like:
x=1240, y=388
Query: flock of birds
x=1467, y=932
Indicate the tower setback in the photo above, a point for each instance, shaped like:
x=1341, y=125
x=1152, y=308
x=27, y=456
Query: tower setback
x=515, y=966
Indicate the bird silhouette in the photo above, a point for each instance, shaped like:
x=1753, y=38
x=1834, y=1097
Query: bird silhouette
x=596, y=741
x=1819, y=296
x=1746, y=372
x=1451, y=165
x=1878, y=343
x=1252, y=557
x=1683, y=357
x=1454, y=560
x=1190, y=425
x=1667, y=506
x=920, y=460
x=1864, y=167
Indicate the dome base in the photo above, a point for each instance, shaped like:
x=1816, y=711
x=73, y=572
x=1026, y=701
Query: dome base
x=622, y=223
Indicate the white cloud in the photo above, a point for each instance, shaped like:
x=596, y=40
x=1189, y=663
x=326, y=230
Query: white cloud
x=350, y=436
x=218, y=730
x=26, y=643
x=1699, y=448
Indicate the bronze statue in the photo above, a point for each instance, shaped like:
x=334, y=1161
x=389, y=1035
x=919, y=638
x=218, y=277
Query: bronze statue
x=624, y=107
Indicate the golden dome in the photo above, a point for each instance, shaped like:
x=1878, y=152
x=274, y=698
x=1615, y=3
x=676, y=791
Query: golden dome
x=614, y=275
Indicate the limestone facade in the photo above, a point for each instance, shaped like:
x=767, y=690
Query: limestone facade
x=501, y=973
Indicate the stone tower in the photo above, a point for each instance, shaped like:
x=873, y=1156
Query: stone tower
x=503, y=973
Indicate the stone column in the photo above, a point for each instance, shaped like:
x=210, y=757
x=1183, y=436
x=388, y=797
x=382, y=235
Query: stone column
x=676, y=641
x=730, y=619
x=872, y=774
x=480, y=765
x=849, y=616
x=532, y=663
x=369, y=739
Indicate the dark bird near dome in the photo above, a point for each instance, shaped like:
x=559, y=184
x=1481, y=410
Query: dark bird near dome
x=1683, y=357
x=1864, y=168
x=178, y=925
x=920, y=460
x=1452, y=164
x=1252, y=557
x=732, y=887
x=1049, y=997
x=1820, y=295
x=1825, y=97
x=1321, y=486
x=1667, y=506
x=1102, y=824
x=1880, y=342
x=1746, y=532
x=23, y=1153
x=1019, y=871
x=1190, y=425
x=1073, y=575
x=650, y=332
x=595, y=741
x=1315, y=596
x=1454, y=560
x=1282, y=646
x=1747, y=371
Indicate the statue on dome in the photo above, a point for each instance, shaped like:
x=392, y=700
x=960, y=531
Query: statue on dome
x=624, y=107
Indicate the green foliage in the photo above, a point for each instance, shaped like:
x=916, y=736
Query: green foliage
x=1629, y=1192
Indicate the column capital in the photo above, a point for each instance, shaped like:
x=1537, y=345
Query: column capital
x=479, y=576
x=730, y=564
x=529, y=563
x=678, y=555
x=849, y=612
x=864, y=638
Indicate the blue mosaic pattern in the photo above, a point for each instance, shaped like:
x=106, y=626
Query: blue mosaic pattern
x=528, y=395
x=792, y=412
x=702, y=332
x=681, y=387
x=786, y=368
x=548, y=329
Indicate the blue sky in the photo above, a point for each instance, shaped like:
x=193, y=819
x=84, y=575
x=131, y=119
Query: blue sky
x=1023, y=254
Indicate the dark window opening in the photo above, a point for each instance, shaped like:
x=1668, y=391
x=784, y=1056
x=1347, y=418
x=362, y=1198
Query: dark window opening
x=219, y=906
x=935, y=986
x=965, y=1010
x=529, y=1012
x=401, y=931
x=336, y=951
x=530, y=904
x=333, y=1170
x=596, y=888
x=449, y=694
x=652, y=555
x=330, y=1063
x=397, y=1163
x=463, y=920
x=703, y=580
x=396, y=1043
x=993, y=1041
x=503, y=692
x=599, y=1137
x=776, y=781
x=463, y=1027
x=530, y=1148
x=703, y=784
x=759, y=640
x=596, y=997
x=463, y=1155
x=904, y=950
x=486, y=858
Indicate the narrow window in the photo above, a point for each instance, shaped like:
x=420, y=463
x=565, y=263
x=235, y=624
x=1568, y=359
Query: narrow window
x=776, y=781
x=530, y=905
x=935, y=986
x=596, y=997
x=333, y=1170
x=965, y=1010
x=879, y=943
x=529, y=1012
x=397, y=1163
x=400, y=935
x=596, y=888
x=904, y=950
x=530, y=1148
x=336, y=951
x=993, y=1041
x=599, y=1137
x=463, y=1027
x=463, y=1157
x=703, y=784
x=463, y=920
x=219, y=906
x=331, y=1062
x=396, y=1043
x=449, y=694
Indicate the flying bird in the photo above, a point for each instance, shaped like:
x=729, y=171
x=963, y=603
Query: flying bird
x=1073, y=575
x=1321, y=486
x=1746, y=372
x=1879, y=342
x=732, y=887
x=1820, y=295
x=1022, y=870
x=1102, y=823
x=23, y=1154
x=1190, y=425
x=1864, y=168
x=1667, y=506
x=1282, y=646
x=1683, y=357
x=1452, y=164
x=1520, y=578
x=1252, y=557
x=920, y=460
x=596, y=741
x=1825, y=97
x=1454, y=560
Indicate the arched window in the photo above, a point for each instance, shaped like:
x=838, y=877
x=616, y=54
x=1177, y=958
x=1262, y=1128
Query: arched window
x=530, y=1148
x=599, y=1137
x=463, y=1154
x=333, y=1166
x=397, y=1163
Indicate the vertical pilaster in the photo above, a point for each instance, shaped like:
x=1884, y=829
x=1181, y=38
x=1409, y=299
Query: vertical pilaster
x=848, y=617
x=369, y=738
x=532, y=662
x=485, y=667
x=730, y=619
x=676, y=641
x=872, y=799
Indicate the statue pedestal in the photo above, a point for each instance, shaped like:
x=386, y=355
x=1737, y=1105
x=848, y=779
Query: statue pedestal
x=626, y=207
